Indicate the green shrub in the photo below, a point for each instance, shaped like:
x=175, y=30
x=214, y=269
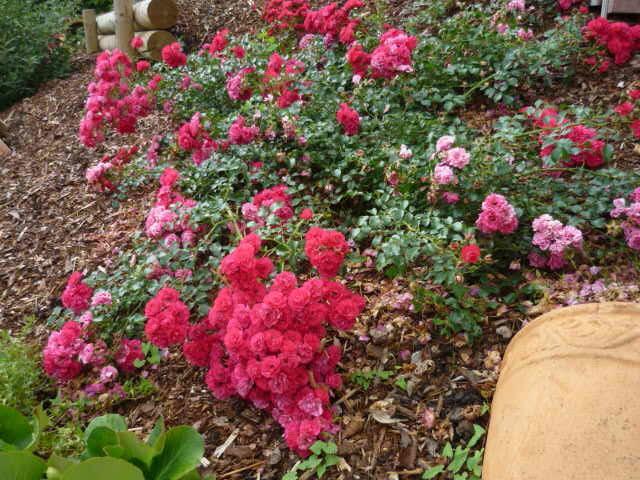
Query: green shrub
x=21, y=378
x=32, y=45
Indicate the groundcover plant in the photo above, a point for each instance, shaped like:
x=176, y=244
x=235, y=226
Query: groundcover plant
x=332, y=139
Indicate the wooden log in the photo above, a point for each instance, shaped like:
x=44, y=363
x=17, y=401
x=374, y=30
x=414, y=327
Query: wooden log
x=147, y=15
x=152, y=42
x=624, y=6
x=90, y=30
x=123, y=10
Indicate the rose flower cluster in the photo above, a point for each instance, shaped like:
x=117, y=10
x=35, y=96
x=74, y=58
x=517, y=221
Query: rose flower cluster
x=619, y=38
x=449, y=158
x=631, y=218
x=192, y=137
x=590, y=149
x=168, y=220
x=268, y=202
x=554, y=238
x=497, y=216
x=264, y=343
x=332, y=21
x=71, y=350
x=390, y=58
x=111, y=100
x=97, y=174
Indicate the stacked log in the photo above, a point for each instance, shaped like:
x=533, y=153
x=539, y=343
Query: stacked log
x=147, y=15
x=152, y=42
x=146, y=19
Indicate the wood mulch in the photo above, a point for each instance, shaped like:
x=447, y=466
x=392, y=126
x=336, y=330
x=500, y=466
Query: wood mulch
x=51, y=222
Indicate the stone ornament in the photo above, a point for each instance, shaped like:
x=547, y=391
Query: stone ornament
x=567, y=404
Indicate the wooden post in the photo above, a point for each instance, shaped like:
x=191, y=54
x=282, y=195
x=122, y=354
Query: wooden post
x=123, y=10
x=90, y=30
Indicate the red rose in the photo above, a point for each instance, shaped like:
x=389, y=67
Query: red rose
x=349, y=119
x=470, y=253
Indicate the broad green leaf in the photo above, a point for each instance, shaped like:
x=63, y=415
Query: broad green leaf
x=16, y=432
x=320, y=471
x=21, y=466
x=183, y=449
x=59, y=463
x=192, y=475
x=104, y=468
x=156, y=433
x=290, y=476
x=433, y=472
x=134, y=450
x=112, y=421
x=99, y=438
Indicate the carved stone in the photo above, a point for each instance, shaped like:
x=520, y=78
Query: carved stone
x=567, y=404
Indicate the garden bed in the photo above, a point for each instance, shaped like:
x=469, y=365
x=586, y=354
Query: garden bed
x=449, y=239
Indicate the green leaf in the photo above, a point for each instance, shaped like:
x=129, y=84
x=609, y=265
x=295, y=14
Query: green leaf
x=192, y=475
x=447, y=451
x=183, y=449
x=321, y=470
x=478, y=432
x=103, y=469
x=310, y=463
x=99, y=438
x=317, y=447
x=21, y=466
x=59, y=463
x=330, y=448
x=290, y=476
x=135, y=450
x=112, y=421
x=156, y=434
x=16, y=432
x=433, y=472
x=459, y=459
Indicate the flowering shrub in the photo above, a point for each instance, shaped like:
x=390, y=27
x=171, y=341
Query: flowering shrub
x=551, y=236
x=631, y=218
x=567, y=145
x=111, y=99
x=349, y=119
x=267, y=202
x=391, y=57
x=264, y=343
x=169, y=219
x=167, y=319
x=75, y=347
x=497, y=216
x=619, y=38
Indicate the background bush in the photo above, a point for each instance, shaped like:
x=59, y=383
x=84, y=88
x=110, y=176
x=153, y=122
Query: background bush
x=33, y=48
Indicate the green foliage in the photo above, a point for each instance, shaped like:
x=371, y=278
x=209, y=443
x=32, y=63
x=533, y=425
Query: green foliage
x=364, y=378
x=21, y=377
x=111, y=451
x=323, y=456
x=463, y=463
x=33, y=48
x=17, y=432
